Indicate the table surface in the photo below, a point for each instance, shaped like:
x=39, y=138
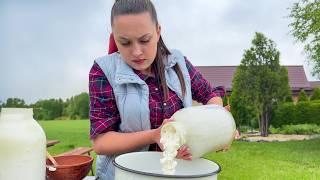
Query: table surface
x=52, y=142
x=89, y=178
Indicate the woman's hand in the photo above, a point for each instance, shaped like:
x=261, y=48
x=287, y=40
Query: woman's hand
x=224, y=149
x=228, y=107
x=157, y=132
x=184, y=153
x=227, y=147
x=216, y=100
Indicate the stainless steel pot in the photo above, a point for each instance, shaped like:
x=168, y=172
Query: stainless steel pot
x=146, y=165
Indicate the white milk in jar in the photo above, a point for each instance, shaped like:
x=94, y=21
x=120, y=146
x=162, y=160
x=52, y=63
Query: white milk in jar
x=22, y=146
x=203, y=129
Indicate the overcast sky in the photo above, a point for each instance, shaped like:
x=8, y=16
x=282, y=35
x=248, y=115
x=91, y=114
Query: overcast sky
x=47, y=47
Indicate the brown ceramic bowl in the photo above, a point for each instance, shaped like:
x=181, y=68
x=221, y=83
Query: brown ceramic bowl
x=72, y=167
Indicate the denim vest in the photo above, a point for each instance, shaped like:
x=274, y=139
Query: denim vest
x=132, y=98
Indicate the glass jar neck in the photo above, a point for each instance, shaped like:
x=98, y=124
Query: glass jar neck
x=16, y=114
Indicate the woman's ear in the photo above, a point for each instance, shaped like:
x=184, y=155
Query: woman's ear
x=158, y=30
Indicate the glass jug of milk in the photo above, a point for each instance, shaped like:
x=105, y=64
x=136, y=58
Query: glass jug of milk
x=203, y=129
x=22, y=145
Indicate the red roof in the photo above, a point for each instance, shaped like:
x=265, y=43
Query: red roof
x=222, y=76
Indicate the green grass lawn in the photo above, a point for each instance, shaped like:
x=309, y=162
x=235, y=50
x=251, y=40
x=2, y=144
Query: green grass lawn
x=254, y=160
x=276, y=160
x=70, y=133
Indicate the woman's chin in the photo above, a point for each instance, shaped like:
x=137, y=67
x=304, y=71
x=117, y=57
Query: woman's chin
x=140, y=67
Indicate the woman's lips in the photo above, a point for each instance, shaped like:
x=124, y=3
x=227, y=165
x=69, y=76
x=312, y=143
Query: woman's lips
x=138, y=61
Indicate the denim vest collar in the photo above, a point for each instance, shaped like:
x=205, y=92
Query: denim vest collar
x=125, y=74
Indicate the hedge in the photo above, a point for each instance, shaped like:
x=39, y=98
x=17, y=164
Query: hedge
x=296, y=129
x=307, y=112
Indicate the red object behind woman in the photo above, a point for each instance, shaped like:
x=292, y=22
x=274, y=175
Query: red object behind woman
x=112, y=45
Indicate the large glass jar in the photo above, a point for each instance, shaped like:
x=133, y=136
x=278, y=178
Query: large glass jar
x=22, y=145
x=203, y=129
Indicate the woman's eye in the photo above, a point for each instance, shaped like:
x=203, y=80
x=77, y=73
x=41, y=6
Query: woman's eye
x=125, y=44
x=144, y=41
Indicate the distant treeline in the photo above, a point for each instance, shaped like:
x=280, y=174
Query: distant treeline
x=77, y=107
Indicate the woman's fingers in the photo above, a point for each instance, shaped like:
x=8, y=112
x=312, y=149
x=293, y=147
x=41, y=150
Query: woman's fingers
x=166, y=121
x=157, y=134
x=184, y=153
x=228, y=107
x=224, y=149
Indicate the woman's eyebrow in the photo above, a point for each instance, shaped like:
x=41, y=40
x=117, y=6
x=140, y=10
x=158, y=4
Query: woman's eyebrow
x=141, y=37
x=123, y=38
x=146, y=35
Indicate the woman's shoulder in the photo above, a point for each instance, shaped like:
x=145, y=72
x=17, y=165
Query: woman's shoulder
x=176, y=53
x=177, y=56
x=174, y=57
x=108, y=62
x=109, y=58
x=96, y=73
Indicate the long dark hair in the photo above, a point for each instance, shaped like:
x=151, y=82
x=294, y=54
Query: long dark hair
x=125, y=7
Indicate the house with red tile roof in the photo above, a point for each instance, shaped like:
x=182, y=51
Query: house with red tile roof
x=223, y=75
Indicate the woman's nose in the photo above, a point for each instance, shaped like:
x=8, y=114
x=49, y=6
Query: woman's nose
x=137, y=50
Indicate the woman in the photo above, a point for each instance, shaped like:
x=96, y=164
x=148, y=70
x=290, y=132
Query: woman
x=136, y=90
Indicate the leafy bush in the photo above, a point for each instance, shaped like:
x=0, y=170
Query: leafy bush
x=244, y=129
x=316, y=101
x=307, y=112
x=274, y=130
x=315, y=94
x=303, y=96
x=296, y=129
x=284, y=114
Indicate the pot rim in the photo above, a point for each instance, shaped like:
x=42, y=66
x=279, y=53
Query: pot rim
x=90, y=160
x=168, y=175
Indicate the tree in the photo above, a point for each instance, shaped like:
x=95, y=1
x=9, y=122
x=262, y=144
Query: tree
x=78, y=106
x=242, y=103
x=48, y=109
x=306, y=29
x=302, y=96
x=315, y=94
x=15, y=103
x=260, y=84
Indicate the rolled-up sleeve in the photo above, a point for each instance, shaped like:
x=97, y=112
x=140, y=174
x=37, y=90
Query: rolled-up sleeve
x=202, y=90
x=104, y=115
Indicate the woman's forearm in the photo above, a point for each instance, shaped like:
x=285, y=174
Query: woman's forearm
x=113, y=142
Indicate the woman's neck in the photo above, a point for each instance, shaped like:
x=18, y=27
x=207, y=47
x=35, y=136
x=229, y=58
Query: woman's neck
x=147, y=72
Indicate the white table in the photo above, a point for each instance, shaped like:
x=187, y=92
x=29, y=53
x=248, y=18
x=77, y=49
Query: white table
x=89, y=178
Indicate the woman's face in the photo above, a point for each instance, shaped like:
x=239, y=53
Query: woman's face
x=136, y=37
